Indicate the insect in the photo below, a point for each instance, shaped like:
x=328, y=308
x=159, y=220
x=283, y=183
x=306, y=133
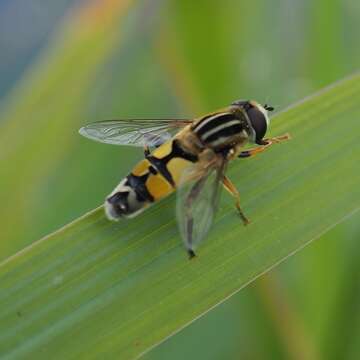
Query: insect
x=187, y=155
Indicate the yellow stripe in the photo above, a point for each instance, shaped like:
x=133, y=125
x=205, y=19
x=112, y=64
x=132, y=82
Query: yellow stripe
x=163, y=150
x=158, y=187
x=177, y=167
x=156, y=184
x=141, y=168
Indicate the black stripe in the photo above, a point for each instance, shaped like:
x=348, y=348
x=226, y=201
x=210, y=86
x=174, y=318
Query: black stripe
x=224, y=133
x=160, y=166
x=201, y=121
x=213, y=123
x=153, y=170
x=176, y=152
x=138, y=184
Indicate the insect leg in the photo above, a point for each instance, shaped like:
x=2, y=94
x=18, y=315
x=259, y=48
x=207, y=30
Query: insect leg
x=277, y=139
x=230, y=187
x=265, y=146
x=252, y=151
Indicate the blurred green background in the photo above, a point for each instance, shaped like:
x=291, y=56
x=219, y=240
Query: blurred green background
x=66, y=63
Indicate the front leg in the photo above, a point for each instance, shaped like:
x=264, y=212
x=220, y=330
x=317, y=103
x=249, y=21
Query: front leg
x=266, y=144
x=277, y=139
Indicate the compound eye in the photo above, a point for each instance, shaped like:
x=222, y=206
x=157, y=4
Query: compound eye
x=258, y=122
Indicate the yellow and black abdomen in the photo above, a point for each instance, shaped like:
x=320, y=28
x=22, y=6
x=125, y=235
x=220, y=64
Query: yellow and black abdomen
x=168, y=162
x=152, y=179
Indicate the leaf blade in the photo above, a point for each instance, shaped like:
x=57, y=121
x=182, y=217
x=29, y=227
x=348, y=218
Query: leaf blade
x=128, y=286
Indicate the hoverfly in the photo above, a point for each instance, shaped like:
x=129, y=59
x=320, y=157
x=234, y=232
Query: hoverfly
x=190, y=156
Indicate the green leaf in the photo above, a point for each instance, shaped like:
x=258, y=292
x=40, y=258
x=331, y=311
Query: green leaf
x=40, y=118
x=97, y=289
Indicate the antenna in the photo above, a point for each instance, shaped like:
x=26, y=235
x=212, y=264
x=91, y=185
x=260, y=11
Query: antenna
x=268, y=107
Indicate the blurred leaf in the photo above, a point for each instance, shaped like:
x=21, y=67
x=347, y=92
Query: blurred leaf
x=96, y=289
x=42, y=114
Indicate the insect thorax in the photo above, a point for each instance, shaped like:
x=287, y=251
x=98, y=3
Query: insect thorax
x=221, y=129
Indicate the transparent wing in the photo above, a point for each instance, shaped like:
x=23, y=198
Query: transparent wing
x=197, y=202
x=135, y=132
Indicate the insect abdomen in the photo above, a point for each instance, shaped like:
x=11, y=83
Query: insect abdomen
x=129, y=198
x=152, y=179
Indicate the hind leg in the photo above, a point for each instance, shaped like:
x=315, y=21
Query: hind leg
x=230, y=187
